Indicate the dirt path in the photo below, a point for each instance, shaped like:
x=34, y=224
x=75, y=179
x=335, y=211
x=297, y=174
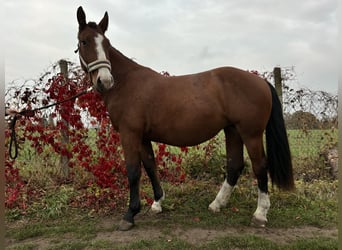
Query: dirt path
x=198, y=235
x=195, y=235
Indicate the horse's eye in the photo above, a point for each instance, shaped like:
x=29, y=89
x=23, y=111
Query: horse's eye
x=83, y=43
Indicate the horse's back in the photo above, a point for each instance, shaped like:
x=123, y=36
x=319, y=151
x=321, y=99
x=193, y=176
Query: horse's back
x=234, y=93
x=190, y=109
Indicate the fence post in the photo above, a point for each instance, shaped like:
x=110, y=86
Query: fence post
x=278, y=83
x=64, y=159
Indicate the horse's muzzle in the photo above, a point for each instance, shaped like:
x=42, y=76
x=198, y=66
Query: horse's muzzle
x=104, y=83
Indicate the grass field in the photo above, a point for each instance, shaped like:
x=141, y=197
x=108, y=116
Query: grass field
x=304, y=219
x=296, y=221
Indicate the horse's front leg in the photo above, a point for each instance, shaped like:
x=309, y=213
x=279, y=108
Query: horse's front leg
x=149, y=162
x=132, y=148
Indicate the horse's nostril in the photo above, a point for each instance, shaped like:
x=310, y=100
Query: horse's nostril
x=99, y=85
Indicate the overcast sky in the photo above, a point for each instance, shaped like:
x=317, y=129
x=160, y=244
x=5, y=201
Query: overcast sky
x=182, y=36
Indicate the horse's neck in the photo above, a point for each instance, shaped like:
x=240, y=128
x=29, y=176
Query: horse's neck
x=120, y=63
x=121, y=68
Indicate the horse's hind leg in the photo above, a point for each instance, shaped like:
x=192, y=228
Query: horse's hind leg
x=257, y=155
x=149, y=163
x=235, y=165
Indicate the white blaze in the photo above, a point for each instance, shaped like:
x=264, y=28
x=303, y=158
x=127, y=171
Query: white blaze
x=104, y=73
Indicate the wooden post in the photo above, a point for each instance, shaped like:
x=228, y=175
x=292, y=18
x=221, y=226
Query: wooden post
x=64, y=160
x=278, y=83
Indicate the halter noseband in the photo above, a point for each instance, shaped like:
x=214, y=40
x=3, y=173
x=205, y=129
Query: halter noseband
x=97, y=64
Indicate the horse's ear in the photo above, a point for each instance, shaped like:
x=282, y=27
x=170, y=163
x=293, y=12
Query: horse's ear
x=81, y=18
x=104, y=23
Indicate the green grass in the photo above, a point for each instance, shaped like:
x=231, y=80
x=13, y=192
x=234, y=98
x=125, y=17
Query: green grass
x=202, y=161
x=310, y=143
x=28, y=246
x=314, y=204
x=229, y=242
x=185, y=207
x=188, y=204
x=254, y=242
x=79, y=225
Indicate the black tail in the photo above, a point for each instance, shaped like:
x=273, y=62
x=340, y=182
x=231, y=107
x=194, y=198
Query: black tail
x=278, y=150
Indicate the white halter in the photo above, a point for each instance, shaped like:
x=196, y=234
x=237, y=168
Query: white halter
x=96, y=64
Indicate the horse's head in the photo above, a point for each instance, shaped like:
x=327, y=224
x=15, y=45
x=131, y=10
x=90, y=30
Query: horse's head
x=93, y=49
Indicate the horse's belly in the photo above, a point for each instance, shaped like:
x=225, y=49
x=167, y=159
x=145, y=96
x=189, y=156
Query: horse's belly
x=182, y=139
x=186, y=133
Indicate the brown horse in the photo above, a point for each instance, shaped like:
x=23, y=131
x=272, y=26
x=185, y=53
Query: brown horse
x=146, y=106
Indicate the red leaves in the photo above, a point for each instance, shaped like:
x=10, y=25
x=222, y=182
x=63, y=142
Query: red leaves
x=92, y=145
x=14, y=186
x=196, y=219
x=169, y=164
x=235, y=209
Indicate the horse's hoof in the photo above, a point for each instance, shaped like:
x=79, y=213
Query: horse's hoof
x=125, y=225
x=257, y=222
x=156, y=207
x=213, y=207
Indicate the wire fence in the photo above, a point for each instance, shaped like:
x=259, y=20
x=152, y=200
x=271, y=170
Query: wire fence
x=308, y=109
x=311, y=119
x=310, y=116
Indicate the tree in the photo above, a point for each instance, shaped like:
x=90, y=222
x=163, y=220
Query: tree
x=301, y=120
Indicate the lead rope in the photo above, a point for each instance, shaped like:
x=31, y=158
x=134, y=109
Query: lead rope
x=31, y=113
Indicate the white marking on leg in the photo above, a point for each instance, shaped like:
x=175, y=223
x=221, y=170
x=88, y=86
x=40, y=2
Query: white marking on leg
x=156, y=205
x=260, y=214
x=103, y=73
x=222, y=197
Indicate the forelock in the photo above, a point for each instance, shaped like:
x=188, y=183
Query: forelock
x=95, y=27
x=92, y=25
